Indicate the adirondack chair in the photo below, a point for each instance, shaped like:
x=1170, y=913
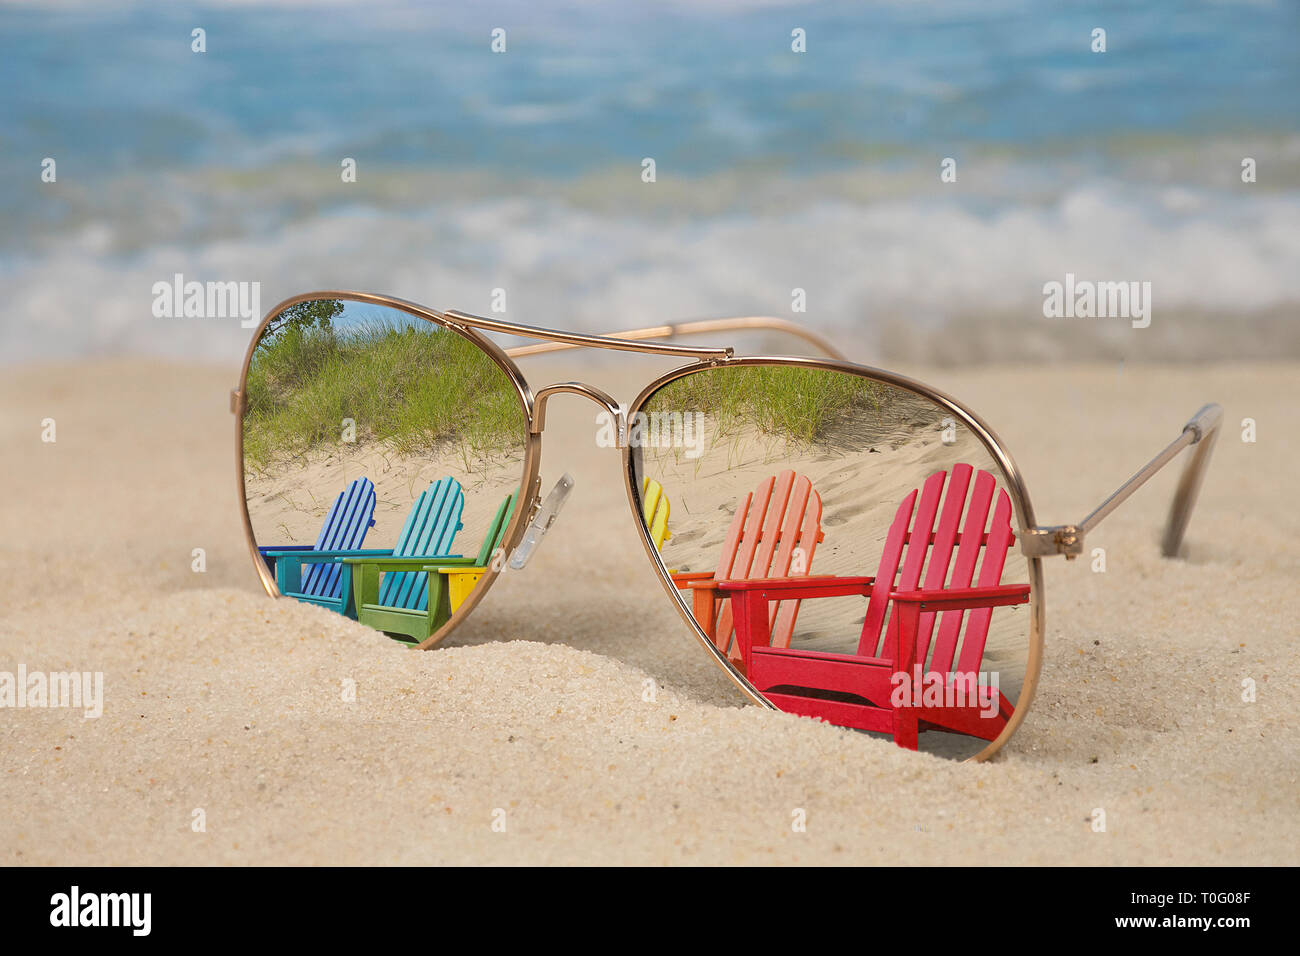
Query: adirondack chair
x=780, y=518
x=451, y=583
x=426, y=536
x=854, y=690
x=342, y=533
x=654, y=509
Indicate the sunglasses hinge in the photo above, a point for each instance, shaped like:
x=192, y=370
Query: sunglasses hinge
x=1066, y=539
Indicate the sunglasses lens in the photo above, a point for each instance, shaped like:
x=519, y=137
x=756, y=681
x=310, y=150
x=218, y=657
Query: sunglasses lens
x=382, y=459
x=846, y=543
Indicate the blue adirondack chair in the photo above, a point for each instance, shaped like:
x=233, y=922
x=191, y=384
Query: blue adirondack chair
x=342, y=532
x=430, y=528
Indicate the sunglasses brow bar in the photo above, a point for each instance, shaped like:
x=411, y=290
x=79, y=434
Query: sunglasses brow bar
x=621, y=343
x=1202, y=431
x=700, y=327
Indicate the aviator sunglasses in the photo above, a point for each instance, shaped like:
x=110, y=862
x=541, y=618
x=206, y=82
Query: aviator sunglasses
x=846, y=543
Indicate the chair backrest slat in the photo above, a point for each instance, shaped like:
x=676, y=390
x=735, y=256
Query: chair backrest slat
x=752, y=532
x=942, y=543
x=995, y=556
x=654, y=511
x=345, y=527
x=651, y=492
x=803, y=537
x=868, y=643
x=796, y=505
x=759, y=503
x=963, y=571
x=429, y=531
x=496, y=530
x=775, y=555
x=909, y=577
x=732, y=541
x=738, y=551
x=774, y=523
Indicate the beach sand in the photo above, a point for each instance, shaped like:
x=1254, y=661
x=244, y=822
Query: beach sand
x=575, y=707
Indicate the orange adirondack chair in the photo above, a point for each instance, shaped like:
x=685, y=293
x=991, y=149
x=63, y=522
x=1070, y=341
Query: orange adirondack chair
x=776, y=523
x=854, y=690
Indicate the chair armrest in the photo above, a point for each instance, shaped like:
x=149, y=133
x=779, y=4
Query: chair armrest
x=289, y=564
x=322, y=557
x=400, y=564
x=809, y=586
x=451, y=562
x=364, y=573
x=750, y=599
x=457, y=569
x=909, y=605
x=683, y=579
x=957, y=599
x=271, y=553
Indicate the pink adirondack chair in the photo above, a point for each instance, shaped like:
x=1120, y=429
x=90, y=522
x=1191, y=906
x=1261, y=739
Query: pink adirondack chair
x=780, y=518
x=855, y=690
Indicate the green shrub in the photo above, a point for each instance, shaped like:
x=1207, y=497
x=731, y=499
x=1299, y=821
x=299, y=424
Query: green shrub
x=800, y=404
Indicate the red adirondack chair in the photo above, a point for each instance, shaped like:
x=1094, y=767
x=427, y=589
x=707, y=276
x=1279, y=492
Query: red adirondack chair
x=781, y=515
x=854, y=690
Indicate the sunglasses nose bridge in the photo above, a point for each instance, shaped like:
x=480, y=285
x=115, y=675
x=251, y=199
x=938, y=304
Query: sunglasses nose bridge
x=599, y=396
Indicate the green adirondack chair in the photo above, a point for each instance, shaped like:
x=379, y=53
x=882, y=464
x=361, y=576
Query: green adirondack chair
x=412, y=624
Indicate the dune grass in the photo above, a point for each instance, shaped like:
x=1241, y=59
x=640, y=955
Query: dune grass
x=411, y=387
x=799, y=404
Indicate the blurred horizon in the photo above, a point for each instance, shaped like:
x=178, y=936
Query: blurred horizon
x=775, y=170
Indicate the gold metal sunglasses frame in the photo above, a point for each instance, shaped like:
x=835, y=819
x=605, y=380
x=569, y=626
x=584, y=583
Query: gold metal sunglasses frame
x=1036, y=541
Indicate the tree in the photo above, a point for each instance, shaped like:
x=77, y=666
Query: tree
x=312, y=314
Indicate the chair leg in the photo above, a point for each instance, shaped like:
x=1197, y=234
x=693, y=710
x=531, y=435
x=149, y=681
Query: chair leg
x=906, y=723
x=704, y=607
x=905, y=728
x=439, y=599
x=749, y=617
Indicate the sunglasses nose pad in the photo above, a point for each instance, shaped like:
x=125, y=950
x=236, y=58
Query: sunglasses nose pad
x=542, y=521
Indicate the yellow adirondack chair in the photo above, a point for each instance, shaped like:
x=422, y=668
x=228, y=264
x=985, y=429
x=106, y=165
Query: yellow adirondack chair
x=461, y=580
x=655, y=512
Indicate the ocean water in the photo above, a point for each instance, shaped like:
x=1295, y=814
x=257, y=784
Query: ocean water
x=775, y=170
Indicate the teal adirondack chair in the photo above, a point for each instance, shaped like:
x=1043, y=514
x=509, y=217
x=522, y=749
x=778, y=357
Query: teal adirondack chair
x=343, y=532
x=448, y=580
x=427, y=535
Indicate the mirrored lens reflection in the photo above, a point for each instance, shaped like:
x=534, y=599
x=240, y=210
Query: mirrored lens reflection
x=846, y=543
x=382, y=461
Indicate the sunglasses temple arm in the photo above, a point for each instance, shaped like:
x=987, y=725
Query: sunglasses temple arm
x=701, y=327
x=1201, y=431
